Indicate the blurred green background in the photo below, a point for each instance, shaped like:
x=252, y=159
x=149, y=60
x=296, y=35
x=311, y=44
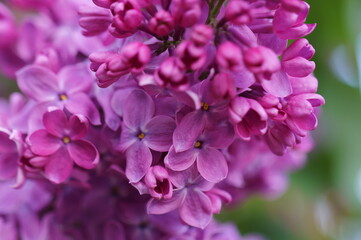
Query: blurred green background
x=323, y=201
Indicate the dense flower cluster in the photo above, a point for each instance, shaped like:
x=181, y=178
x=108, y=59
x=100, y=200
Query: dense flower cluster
x=139, y=119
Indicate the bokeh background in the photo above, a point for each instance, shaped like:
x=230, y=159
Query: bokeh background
x=323, y=201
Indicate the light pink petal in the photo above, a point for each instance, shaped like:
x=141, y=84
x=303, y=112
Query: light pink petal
x=38, y=83
x=59, y=166
x=83, y=153
x=139, y=159
x=180, y=161
x=55, y=122
x=196, y=209
x=44, y=144
x=155, y=206
x=78, y=127
x=75, y=78
x=159, y=133
x=138, y=109
x=80, y=103
x=279, y=85
x=188, y=131
x=212, y=165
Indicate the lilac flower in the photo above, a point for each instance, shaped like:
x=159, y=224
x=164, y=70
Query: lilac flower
x=158, y=183
x=141, y=132
x=68, y=89
x=211, y=163
x=60, y=144
x=194, y=206
x=162, y=23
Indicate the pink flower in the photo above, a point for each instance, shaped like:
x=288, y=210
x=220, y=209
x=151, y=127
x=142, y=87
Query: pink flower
x=68, y=89
x=61, y=143
x=141, y=132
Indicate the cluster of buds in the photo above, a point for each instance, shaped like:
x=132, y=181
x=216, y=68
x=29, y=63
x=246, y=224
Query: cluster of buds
x=140, y=119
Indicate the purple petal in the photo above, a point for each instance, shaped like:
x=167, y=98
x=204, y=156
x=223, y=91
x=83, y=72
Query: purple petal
x=159, y=133
x=127, y=138
x=59, y=166
x=279, y=85
x=83, y=153
x=308, y=122
x=180, y=161
x=139, y=159
x=155, y=206
x=196, y=209
x=138, y=109
x=118, y=100
x=75, y=78
x=188, y=131
x=80, y=103
x=78, y=127
x=44, y=144
x=55, y=122
x=298, y=67
x=8, y=164
x=212, y=165
x=38, y=83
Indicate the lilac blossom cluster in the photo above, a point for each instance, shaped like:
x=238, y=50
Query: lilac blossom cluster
x=139, y=119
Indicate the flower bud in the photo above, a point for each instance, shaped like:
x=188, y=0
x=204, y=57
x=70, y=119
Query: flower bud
x=171, y=73
x=238, y=12
x=162, y=23
x=222, y=86
x=261, y=61
x=201, y=34
x=186, y=12
x=158, y=183
x=192, y=57
x=229, y=56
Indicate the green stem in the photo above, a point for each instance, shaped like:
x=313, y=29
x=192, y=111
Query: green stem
x=213, y=12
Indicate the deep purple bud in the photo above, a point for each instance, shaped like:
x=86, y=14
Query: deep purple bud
x=158, y=183
x=238, y=12
x=201, y=34
x=186, y=13
x=192, y=57
x=261, y=61
x=229, y=56
x=222, y=86
x=171, y=73
x=162, y=23
x=135, y=56
x=127, y=16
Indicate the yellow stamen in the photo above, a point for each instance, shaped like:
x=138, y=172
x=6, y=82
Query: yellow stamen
x=205, y=106
x=66, y=139
x=141, y=135
x=63, y=97
x=198, y=144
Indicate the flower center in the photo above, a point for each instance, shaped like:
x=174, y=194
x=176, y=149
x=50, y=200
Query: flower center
x=141, y=136
x=66, y=139
x=198, y=144
x=63, y=97
x=205, y=106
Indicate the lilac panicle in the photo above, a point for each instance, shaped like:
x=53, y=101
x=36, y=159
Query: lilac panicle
x=140, y=119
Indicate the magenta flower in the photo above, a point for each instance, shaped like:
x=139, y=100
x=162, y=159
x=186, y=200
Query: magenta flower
x=158, y=183
x=68, y=89
x=61, y=143
x=162, y=23
x=211, y=163
x=195, y=207
x=141, y=132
